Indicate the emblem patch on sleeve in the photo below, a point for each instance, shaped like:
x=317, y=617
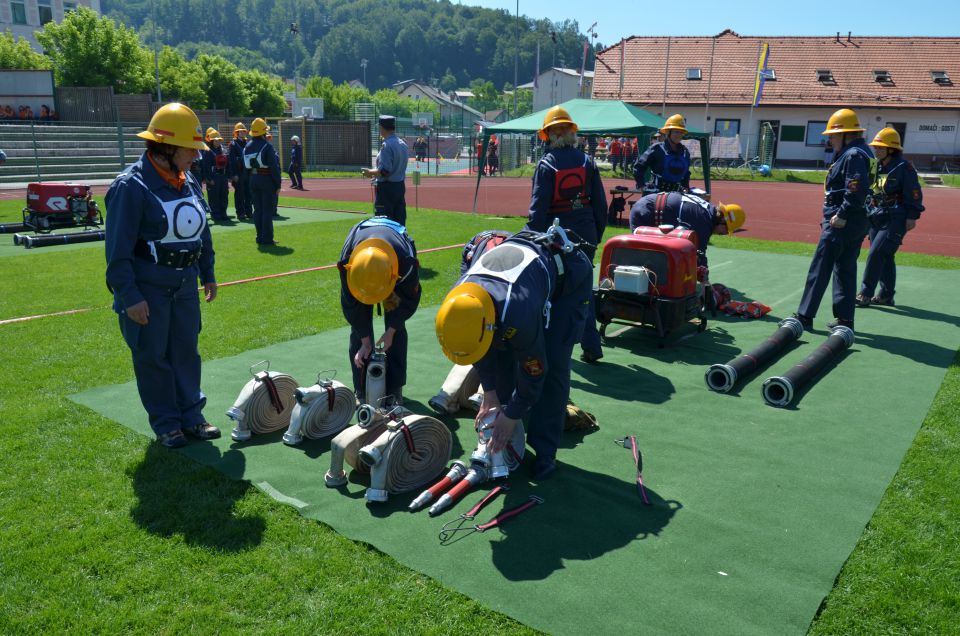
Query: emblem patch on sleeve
x=916, y=193
x=853, y=185
x=509, y=333
x=533, y=367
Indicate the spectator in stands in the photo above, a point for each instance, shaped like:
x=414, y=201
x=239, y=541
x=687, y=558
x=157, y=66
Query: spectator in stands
x=3, y=157
x=44, y=112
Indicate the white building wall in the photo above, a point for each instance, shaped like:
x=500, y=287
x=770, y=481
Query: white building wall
x=27, y=31
x=929, y=133
x=555, y=87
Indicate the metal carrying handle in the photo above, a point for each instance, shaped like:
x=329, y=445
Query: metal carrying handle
x=328, y=381
x=254, y=366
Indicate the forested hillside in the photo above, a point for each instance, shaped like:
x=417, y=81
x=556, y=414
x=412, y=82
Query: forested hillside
x=448, y=43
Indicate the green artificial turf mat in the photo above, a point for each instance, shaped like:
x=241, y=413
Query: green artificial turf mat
x=755, y=509
x=288, y=216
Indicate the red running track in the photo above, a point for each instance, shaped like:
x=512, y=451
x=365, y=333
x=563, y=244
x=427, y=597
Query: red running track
x=775, y=211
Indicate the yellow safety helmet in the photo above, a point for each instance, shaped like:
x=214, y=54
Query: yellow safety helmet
x=554, y=116
x=733, y=216
x=213, y=134
x=675, y=122
x=465, y=323
x=176, y=125
x=259, y=127
x=238, y=128
x=372, y=271
x=887, y=138
x=843, y=121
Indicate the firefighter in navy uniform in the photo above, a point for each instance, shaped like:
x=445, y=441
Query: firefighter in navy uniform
x=896, y=205
x=667, y=161
x=213, y=169
x=157, y=246
x=390, y=172
x=689, y=211
x=294, y=169
x=516, y=316
x=238, y=174
x=567, y=185
x=378, y=266
x=844, y=224
x=262, y=161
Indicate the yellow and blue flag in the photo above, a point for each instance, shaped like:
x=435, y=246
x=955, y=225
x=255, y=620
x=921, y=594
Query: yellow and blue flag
x=761, y=73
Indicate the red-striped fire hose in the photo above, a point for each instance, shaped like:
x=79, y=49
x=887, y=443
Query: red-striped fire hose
x=631, y=443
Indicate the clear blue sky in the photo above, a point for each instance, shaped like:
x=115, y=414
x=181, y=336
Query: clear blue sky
x=617, y=19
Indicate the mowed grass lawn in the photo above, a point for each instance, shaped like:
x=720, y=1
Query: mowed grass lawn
x=102, y=531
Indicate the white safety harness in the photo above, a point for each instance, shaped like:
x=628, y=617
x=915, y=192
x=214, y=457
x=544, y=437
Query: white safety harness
x=186, y=218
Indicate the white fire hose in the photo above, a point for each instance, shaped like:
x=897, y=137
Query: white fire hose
x=409, y=451
x=264, y=405
x=321, y=410
x=461, y=390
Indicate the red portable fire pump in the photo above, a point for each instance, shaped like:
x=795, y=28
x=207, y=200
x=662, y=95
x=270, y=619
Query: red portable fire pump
x=55, y=206
x=649, y=278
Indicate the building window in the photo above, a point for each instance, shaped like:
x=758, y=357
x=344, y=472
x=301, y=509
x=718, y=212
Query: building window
x=45, y=11
x=941, y=78
x=694, y=74
x=68, y=7
x=726, y=127
x=883, y=78
x=815, y=136
x=19, y=12
x=825, y=77
x=792, y=133
x=769, y=75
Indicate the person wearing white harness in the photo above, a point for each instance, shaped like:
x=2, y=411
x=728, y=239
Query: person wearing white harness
x=516, y=316
x=157, y=246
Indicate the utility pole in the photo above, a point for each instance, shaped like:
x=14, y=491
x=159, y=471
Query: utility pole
x=516, y=60
x=294, y=31
x=363, y=65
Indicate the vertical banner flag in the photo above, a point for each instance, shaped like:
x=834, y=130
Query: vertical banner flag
x=761, y=73
x=536, y=75
x=583, y=62
x=623, y=48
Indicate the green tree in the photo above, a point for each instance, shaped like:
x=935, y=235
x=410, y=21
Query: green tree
x=337, y=98
x=181, y=80
x=224, y=85
x=87, y=50
x=266, y=94
x=448, y=82
x=389, y=102
x=16, y=53
x=485, y=95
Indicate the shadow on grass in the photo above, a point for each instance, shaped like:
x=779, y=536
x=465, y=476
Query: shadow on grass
x=275, y=250
x=921, y=351
x=426, y=273
x=923, y=314
x=176, y=496
x=584, y=515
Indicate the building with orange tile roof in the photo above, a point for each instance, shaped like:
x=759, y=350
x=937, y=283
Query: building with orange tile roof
x=906, y=83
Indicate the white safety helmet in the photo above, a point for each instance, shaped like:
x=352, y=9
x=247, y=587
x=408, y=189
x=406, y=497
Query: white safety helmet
x=295, y=138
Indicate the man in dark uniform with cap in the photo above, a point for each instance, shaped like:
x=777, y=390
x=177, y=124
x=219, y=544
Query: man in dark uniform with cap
x=516, y=316
x=567, y=186
x=378, y=266
x=390, y=173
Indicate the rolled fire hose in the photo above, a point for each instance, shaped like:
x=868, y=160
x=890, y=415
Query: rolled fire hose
x=458, y=391
x=264, y=405
x=406, y=456
x=780, y=390
x=10, y=228
x=43, y=240
x=321, y=410
x=723, y=377
x=375, y=378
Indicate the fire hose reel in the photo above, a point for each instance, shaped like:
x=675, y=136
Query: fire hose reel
x=264, y=405
x=321, y=410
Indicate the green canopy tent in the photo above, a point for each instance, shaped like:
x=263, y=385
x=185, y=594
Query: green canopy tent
x=597, y=117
